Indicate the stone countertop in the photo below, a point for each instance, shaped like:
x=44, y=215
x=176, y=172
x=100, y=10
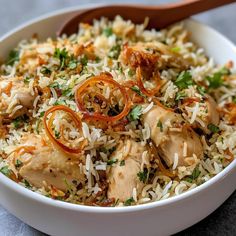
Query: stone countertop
x=15, y=12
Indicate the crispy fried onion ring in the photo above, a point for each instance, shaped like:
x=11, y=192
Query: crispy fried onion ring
x=92, y=88
x=48, y=122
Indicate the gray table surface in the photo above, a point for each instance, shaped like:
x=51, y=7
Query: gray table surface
x=15, y=12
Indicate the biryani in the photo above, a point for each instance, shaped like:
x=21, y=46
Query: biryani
x=115, y=115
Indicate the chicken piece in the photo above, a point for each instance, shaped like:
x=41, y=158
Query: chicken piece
x=172, y=135
x=45, y=164
x=149, y=57
x=213, y=116
x=13, y=92
x=122, y=179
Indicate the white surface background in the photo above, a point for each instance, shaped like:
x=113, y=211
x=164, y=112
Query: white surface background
x=15, y=12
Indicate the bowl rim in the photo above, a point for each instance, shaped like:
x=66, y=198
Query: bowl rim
x=41, y=199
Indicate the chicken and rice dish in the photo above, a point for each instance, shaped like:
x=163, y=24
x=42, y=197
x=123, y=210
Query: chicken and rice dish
x=115, y=115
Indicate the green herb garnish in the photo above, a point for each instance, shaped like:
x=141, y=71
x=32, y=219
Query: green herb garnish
x=135, y=113
x=195, y=174
x=62, y=55
x=131, y=72
x=108, y=31
x=184, y=80
x=6, y=171
x=122, y=163
x=129, y=201
x=45, y=70
x=112, y=161
x=160, y=125
x=26, y=80
x=114, y=52
x=18, y=163
x=137, y=90
x=143, y=175
x=216, y=80
x=13, y=57
x=57, y=134
x=175, y=49
x=213, y=128
x=180, y=96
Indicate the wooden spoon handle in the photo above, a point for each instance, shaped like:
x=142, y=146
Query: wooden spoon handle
x=159, y=16
x=186, y=8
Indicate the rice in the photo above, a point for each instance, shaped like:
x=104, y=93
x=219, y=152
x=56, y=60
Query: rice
x=164, y=114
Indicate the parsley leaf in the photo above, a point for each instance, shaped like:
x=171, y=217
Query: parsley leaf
x=215, y=81
x=112, y=161
x=194, y=175
x=44, y=70
x=160, y=125
x=108, y=31
x=84, y=60
x=175, y=49
x=62, y=55
x=114, y=52
x=26, y=80
x=137, y=90
x=143, y=175
x=213, y=128
x=184, y=80
x=129, y=201
x=18, y=163
x=6, y=171
x=57, y=134
x=135, y=113
x=13, y=57
x=122, y=163
x=180, y=96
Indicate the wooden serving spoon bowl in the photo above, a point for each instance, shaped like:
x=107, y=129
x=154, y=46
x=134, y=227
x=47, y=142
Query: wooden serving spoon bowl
x=159, y=16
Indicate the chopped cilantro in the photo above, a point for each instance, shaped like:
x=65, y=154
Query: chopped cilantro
x=108, y=31
x=112, y=161
x=84, y=60
x=184, y=80
x=175, y=49
x=27, y=184
x=160, y=125
x=135, y=113
x=114, y=52
x=180, y=96
x=18, y=163
x=42, y=113
x=57, y=134
x=195, y=174
x=143, y=175
x=13, y=57
x=215, y=81
x=62, y=55
x=45, y=70
x=72, y=64
x=6, y=171
x=131, y=72
x=213, y=128
x=129, y=201
x=122, y=163
x=137, y=90
x=26, y=80
x=19, y=121
x=201, y=90
x=234, y=99
x=97, y=59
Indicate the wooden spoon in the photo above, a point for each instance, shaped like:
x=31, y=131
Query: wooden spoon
x=159, y=16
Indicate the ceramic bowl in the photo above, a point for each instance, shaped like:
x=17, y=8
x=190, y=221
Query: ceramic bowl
x=158, y=218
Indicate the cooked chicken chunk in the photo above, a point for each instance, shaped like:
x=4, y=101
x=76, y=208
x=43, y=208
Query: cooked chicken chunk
x=149, y=56
x=172, y=136
x=213, y=116
x=123, y=179
x=46, y=165
x=15, y=93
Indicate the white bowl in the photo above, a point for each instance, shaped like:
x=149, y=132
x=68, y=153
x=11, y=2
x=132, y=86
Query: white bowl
x=159, y=218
